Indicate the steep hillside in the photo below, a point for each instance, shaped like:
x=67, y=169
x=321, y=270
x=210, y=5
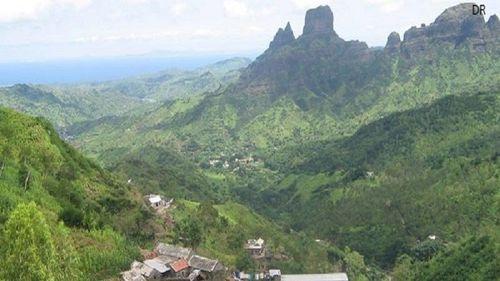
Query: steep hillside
x=68, y=104
x=428, y=171
x=64, y=107
x=390, y=154
x=226, y=227
x=98, y=211
x=88, y=225
x=160, y=170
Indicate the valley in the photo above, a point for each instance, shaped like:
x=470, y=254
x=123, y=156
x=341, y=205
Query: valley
x=378, y=162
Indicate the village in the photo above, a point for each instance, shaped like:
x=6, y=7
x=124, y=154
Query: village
x=233, y=163
x=167, y=262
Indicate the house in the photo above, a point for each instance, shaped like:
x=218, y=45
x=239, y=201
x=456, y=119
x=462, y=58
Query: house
x=275, y=274
x=194, y=275
x=244, y=276
x=255, y=247
x=210, y=269
x=157, y=201
x=172, y=251
x=213, y=162
x=180, y=267
x=134, y=274
x=315, y=277
x=204, y=264
x=141, y=272
x=157, y=265
x=174, y=263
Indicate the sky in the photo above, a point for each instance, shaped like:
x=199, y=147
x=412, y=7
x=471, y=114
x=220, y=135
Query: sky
x=44, y=30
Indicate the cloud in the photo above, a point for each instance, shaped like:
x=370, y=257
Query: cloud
x=236, y=9
x=131, y=36
x=30, y=9
x=308, y=4
x=387, y=6
x=178, y=8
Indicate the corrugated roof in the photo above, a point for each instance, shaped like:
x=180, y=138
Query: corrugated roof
x=132, y=275
x=203, y=263
x=154, y=199
x=162, y=268
x=179, y=265
x=173, y=251
x=165, y=259
x=147, y=271
x=274, y=272
x=315, y=277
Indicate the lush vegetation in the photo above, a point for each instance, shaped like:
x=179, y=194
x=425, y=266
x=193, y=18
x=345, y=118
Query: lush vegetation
x=60, y=213
x=221, y=230
x=384, y=190
x=65, y=105
x=342, y=157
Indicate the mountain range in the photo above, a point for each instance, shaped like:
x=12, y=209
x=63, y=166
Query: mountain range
x=371, y=150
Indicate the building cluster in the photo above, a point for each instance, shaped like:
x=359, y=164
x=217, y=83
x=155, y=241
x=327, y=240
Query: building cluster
x=233, y=162
x=275, y=275
x=169, y=262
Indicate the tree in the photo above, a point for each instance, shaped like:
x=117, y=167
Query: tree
x=356, y=268
x=404, y=269
x=244, y=262
x=189, y=232
x=29, y=252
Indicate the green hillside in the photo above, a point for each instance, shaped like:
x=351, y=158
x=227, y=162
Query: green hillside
x=428, y=171
x=98, y=211
x=65, y=105
x=381, y=162
x=90, y=224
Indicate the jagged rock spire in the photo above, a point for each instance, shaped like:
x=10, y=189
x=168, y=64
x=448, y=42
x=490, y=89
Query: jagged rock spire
x=319, y=21
x=393, y=43
x=282, y=37
x=493, y=23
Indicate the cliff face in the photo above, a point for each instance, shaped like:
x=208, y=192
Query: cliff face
x=319, y=21
x=321, y=62
x=393, y=43
x=455, y=27
x=313, y=61
x=282, y=37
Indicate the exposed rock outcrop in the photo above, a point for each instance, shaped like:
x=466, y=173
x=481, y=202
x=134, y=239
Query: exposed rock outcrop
x=319, y=21
x=493, y=23
x=282, y=37
x=320, y=62
x=393, y=43
x=456, y=26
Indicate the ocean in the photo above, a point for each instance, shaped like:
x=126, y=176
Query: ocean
x=95, y=70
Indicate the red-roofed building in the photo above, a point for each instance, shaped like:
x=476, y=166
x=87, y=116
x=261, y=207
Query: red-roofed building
x=179, y=265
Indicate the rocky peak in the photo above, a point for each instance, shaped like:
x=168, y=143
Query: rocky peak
x=393, y=43
x=493, y=23
x=456, y=26
x=282, y=37
x=457, y=13
x=319, y=21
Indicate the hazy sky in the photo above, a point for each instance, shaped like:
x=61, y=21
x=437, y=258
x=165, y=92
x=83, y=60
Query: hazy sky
x=34, y=30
